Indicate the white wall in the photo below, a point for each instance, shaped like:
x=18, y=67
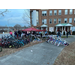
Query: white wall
x=35, y=18
x=72, y=28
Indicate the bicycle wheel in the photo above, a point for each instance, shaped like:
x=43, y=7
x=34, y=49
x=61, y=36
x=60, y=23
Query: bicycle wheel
x=0, y=49
x=17, y=46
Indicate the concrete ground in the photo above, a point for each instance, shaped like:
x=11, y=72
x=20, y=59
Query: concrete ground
x=40, y=54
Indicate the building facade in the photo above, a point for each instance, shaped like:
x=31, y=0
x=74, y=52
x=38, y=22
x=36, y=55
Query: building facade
x=49, y=19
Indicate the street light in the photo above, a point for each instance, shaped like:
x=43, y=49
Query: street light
x=8, y=24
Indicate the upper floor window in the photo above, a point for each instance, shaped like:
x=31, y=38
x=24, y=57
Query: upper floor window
x=59, y=20
x=55, y=12
x=65, y=20
x=59, y=12
x=50, y=12
x=66, y=11
x=44, y=21
x=74, y=11
x=44, y=13
x=70, y=20
x=50, y=21
x=71, y=11
x=54, y=20
x=74, y=20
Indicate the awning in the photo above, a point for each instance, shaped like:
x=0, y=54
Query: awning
x=44, y=25
x=31, y=29
x=64, y=24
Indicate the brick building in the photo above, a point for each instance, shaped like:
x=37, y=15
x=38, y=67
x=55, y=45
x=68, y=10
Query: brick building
x=53, y=19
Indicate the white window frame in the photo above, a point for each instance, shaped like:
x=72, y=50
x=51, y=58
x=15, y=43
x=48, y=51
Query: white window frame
x=70, y=20
x=50, y=20
x=74, y=11
x=66, y=11
x=55, y=12
x=71, y=11
x=55, y=20
x=44, y=13
x=59, y=20
x=50, y=12
x=44, y=21
x=74, y=20
x=60, y=11
x=65, y=19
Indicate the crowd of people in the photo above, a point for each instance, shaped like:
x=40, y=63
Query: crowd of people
x=67, y=33
x=22, y=33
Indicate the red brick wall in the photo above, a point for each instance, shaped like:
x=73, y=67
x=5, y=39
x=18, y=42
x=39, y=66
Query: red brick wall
x=62, y=16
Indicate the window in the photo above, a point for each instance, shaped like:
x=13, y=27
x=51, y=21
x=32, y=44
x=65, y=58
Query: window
x=74, y=11
x=54, y=20
x=55, y=12
x=59, y=12
x=44, y=21
x=74, y=20
x=71, y=11
x=65, y=20
x=59, y=20
x=50, y=21
x=37, y=22
x=50, y=12
x=70, y=20
x=66, y=11
x=44, y=13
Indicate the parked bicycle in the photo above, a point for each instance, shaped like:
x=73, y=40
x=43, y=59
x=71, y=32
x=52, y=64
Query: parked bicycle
x=57, y=41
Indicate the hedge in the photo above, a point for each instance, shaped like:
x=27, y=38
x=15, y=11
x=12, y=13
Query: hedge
x=52, y=33
x=73, y=33
x=64, y=33
x=2, y=31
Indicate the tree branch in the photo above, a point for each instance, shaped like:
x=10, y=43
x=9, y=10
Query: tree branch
x=26, y=16
x=2, y=12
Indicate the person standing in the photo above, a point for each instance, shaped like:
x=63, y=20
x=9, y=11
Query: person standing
x=67, y=34
x=10, y=33
x=58, y=34
x=41, y=34
x=15, y=33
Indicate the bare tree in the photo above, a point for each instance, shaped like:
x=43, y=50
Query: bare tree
x=3, y=12
x=17, y=26
x=26, y=17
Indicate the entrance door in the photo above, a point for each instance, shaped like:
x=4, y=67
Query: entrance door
x=58, y=28
x=66, y=29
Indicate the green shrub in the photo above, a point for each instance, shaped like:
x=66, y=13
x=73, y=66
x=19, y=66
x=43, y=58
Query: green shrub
x=63, y=33
x=2, y=31
x=73, y=33
x=52, y=33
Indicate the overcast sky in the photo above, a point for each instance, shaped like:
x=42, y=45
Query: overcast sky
x=14, y=16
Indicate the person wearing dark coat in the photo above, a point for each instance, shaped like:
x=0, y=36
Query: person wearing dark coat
x=58, y=34
x=19, y=33
x=67, y=34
